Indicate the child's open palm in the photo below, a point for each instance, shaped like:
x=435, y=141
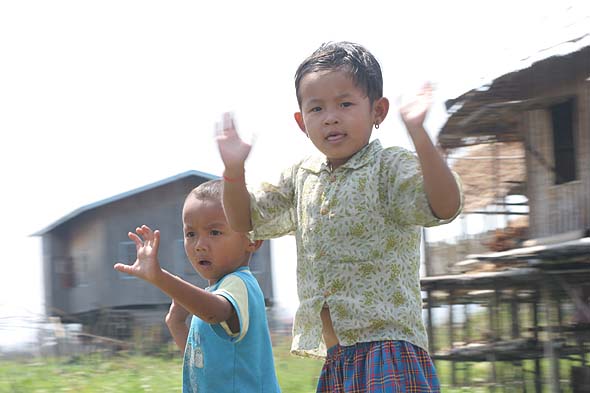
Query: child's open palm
x=146, y=265
x=232, y=148
x=414, y=112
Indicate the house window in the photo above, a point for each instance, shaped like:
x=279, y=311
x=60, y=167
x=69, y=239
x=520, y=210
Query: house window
x=562, y=119
x=127, y=255
x=81, y=270
x=65, y=271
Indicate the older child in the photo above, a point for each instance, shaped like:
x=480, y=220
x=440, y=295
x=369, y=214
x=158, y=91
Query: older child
x=357, y=212
x=228, y=347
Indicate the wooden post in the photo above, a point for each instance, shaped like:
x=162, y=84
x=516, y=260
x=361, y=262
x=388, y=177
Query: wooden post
x=426, y=254
x=452, y=338
x=538, y=385
x=430, y=327
x=493, y=338
x=515, y=331
x=550, y=351
x=428, y=272
x=467, y=340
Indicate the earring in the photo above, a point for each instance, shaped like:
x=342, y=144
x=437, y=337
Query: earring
x=376, y=125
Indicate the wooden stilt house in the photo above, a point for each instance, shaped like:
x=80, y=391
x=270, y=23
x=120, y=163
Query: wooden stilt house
x=521, y=310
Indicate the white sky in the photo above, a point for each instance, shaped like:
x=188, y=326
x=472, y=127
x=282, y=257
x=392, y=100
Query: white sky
x=98, y=98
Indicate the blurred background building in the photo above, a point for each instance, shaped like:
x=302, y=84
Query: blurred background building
x=80, y=249
x=517, y=296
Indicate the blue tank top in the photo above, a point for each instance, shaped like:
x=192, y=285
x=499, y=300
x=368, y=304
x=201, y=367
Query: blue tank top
x=217, y=362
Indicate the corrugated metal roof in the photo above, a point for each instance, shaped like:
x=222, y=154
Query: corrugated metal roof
x=123, y=195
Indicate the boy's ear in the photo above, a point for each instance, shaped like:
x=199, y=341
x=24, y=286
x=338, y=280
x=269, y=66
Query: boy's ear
x=381, y=107
x=299, y=119
x=254, y=245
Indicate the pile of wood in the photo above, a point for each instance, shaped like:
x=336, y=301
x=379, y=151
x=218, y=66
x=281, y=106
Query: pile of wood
x=509, y=237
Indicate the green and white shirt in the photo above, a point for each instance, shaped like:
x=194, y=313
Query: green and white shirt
x=358, y=233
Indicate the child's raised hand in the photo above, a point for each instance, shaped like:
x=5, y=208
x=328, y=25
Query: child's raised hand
x=146, y=265
x=232, y=148
x=414, y=112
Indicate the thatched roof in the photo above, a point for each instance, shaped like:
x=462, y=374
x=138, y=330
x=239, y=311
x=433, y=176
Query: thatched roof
x=490, y=171
x=490, y=115
x=491, y=112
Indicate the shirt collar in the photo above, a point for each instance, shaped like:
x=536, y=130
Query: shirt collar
x=361, y=158
x=213, y=287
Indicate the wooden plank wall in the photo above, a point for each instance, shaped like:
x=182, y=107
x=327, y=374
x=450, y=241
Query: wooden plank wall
x=558, y=208
x=584, y=149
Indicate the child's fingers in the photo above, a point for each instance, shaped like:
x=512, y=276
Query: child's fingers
x=218, y=129
x=123, y=268
x=430, y=85
x=147, y=232
x=139, y=231
x=228, y=122
x=136, y=239
x=225, y=127
x=156, y=239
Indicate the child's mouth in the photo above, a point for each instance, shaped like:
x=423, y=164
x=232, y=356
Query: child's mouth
x=204, y=262
x=335, y=137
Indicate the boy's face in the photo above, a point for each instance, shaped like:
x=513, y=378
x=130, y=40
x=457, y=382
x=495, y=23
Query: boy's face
x=337, y=115
x=211, y=246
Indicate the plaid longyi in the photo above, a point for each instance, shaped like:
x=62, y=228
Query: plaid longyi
x=379, y=366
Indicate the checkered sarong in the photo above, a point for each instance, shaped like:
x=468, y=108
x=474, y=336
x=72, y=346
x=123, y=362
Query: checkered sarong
x=379, y=366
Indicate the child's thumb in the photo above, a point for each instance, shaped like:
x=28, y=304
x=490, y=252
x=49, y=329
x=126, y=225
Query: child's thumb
x=123, y=268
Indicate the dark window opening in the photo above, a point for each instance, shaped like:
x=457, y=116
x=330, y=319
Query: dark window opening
x=562, y=119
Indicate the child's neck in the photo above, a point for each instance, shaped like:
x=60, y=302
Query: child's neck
x=332, y=167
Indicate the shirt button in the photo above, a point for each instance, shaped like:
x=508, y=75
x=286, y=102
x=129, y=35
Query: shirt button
x=323, y=211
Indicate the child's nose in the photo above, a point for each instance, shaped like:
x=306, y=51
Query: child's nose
x=330, y=118
x=200, y=245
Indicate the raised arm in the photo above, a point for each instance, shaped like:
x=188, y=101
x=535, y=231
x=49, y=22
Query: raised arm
x=209, y=307
x=439, y=183
x=176, y=322
x=234, y=151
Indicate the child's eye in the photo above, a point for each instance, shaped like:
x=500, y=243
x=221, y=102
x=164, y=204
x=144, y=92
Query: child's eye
x=346, y=104
x=215, y=232
x=315, y=109
x=189, y=234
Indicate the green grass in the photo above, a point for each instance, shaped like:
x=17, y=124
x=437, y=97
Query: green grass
x=127, y=373
x=91, y=374
x=134, y=373
x=295, y=374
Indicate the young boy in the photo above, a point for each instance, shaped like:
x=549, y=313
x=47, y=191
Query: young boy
x=357, y=212
x=228, y=347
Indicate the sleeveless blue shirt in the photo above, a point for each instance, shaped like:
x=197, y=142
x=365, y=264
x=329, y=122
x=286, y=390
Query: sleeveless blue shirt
x=216, y=360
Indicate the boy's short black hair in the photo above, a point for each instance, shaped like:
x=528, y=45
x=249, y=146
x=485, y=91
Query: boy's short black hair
x=211, y=190
x=354, y=58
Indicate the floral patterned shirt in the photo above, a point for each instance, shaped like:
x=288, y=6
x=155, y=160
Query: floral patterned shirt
x=358, y=232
